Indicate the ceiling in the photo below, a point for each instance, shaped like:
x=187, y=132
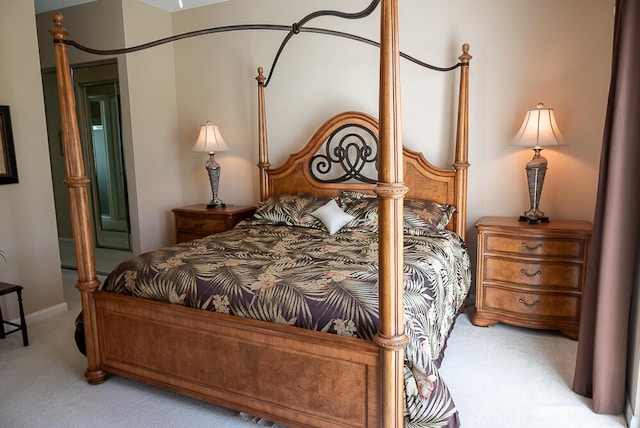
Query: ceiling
x=168, y=5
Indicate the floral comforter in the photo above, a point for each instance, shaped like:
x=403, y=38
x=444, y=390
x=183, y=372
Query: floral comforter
x=308, y=278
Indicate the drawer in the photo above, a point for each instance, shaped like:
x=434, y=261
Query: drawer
x=532, y=304
x=546, y=247
x=540, y=274
x=198, y=225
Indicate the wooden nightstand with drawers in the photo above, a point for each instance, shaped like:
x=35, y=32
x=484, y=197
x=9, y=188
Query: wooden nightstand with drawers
x=198, y=221
x=531, y=275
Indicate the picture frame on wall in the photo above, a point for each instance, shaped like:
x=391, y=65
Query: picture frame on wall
x=8, y=168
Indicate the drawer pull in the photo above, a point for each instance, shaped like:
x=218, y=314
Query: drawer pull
x=536, y=273
x=199, y=223
x=525, y=245
x=530, y=305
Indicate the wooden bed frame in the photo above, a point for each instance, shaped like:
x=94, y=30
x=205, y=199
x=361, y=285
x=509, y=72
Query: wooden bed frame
x=284, y=374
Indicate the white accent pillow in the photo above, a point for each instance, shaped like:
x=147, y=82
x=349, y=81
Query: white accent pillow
x=332, y=216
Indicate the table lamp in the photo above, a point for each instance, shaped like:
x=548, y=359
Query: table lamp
x=538, y=130
x=210, y=140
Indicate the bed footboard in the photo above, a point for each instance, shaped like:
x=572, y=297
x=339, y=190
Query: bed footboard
x=285, y=374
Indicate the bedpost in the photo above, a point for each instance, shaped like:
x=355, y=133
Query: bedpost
x=461, y=164
x=263, y=144
x=77, y=183
x=390, y=190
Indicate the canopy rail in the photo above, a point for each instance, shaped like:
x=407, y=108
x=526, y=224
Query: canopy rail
x=292, y=29
x=243, y=27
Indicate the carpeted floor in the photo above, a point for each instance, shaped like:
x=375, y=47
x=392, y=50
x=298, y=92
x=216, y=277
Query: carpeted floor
x=500, y=377
x=511, y=377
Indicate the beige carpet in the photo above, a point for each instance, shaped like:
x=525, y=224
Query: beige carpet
x=511, y=377
x=500, y=377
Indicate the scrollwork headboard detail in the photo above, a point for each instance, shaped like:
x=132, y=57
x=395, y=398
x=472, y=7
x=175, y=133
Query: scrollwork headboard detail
x=349, y=154
x=332, y=161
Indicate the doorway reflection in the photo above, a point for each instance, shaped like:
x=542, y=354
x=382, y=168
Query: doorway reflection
x=109, y=184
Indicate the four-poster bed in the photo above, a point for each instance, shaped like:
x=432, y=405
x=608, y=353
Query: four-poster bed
x=295, y=376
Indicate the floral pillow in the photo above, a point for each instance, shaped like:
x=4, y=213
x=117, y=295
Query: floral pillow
x=420, y=216
x=292, y=210
x=363, y=208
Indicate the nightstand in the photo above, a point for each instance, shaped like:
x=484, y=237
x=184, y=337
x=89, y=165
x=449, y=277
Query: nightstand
x=198, y=221
x=531, y=275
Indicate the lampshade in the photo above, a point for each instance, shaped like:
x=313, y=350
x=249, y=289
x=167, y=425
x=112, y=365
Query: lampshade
x=539, y=129
x=210, y=140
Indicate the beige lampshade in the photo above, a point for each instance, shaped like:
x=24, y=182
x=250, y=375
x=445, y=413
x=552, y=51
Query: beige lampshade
x=210, y=140
x=539, y=129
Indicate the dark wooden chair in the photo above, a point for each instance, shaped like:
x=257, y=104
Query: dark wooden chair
x=6, y=288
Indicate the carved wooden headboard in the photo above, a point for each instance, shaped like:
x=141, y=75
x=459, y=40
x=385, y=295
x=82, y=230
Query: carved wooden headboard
x=343, y=155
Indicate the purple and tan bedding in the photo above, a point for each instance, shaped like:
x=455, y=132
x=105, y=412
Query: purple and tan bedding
x=284, y=266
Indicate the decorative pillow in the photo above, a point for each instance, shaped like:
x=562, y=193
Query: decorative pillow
x=292, y=210
x=426, y=214
x=347, y=195
x=332, y=216
x=418, y=214
x=363, y=208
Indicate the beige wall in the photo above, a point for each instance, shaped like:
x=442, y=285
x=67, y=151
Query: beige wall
x=525, y=52
x=97, y=24
x=27, y=217
x=151, y=146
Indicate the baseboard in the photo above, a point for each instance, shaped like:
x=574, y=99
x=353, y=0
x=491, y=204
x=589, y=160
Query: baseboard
x=46, y=312
x=633, y=421
x=42, y=314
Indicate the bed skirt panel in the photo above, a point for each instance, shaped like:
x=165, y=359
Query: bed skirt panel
x=285, y=374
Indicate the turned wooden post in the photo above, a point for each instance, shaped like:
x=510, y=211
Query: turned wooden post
x=461, y=164
x=263, y=150
x=77, y=184
x=390, y=190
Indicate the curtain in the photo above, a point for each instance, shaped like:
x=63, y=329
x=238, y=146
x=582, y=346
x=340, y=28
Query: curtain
x=612, y=264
